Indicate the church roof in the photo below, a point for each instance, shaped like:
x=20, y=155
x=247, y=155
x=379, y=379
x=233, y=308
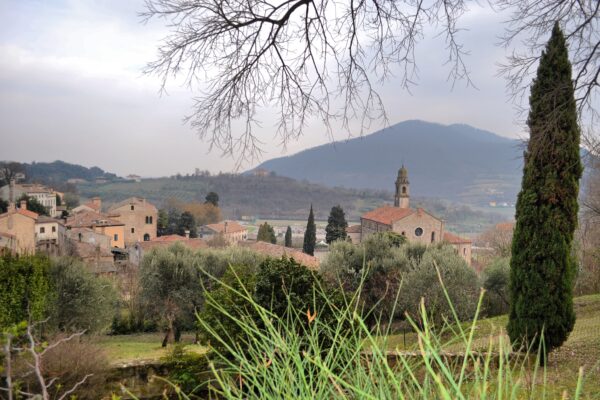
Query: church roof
x=455, y=239
x=388, y=214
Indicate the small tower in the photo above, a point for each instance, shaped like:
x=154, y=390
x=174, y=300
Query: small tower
x=402, y=189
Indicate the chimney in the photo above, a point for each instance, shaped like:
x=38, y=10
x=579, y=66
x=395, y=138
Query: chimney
x=97, y=202
x=11, y=191
x=187, y=233
x=23, y=205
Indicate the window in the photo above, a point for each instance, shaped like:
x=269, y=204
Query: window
x=403, y=189
x=418, y=231
x=464, y=251
x=146, y=237
x=432, y=237
x=148, y=219
x=116, y=237
x=403, y=233
x=132, y=207
x=42, y=230
x=132, y=230
x=53, y=229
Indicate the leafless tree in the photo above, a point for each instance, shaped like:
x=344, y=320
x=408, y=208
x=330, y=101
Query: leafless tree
x=308, y=58
x=36, y=350
x=529, y=28
x=322, y=59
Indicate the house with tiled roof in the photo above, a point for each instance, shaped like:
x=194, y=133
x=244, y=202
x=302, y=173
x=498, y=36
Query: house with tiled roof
x=278, y=251
x=44, y=195
x=50, y=235
x=231, y=231
x=140, y=218
x=19, y=223
x=415, y=224
x=95, y=205
x=136, y=252
x=99, y=223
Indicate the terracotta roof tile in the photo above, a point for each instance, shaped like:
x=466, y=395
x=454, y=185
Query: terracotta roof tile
x=91, y=218
x=232, y=227
x=278, y=251
x=387, y=214
x=455, y=239
x=165, y=241
x=21, y=211
x=131, y=200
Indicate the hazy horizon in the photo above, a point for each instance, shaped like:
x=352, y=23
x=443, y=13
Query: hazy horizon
x=72, y=89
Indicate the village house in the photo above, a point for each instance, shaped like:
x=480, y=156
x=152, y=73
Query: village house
x=44, y=195
x=50, y=235
x=95, y=205
x=92, y=247
x=231, y=231
x=139, y=217
x=278, y=251
x=416, y=225
x=136, y=253
x=99, y=223
x=17, y=227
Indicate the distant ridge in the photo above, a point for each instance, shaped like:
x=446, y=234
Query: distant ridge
x=456, y=162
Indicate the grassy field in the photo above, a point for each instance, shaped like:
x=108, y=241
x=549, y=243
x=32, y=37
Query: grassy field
x=582, y=349
x=122, y=349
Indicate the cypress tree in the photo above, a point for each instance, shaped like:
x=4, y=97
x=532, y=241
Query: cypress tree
x=336, y=225
x=542, y=266
x=310, y=235
x=288, y=237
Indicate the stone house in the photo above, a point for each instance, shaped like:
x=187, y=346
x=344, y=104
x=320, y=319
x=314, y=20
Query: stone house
x=139, y=217
x=417, y=225
x=278, y=251
x=95, y=205
x=99, y=223
x=19, y=223
x=50, y=235
x=92, y=247
x=231, y=231
x=353, y=232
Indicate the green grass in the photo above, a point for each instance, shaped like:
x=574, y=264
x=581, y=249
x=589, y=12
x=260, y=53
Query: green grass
x=582, y=349
x=122, y=349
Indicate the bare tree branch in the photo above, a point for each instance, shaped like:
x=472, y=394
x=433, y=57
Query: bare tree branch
x=309, y=59
x=530, y=25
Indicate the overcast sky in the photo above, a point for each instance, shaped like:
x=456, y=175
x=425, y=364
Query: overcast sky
x=71, y=88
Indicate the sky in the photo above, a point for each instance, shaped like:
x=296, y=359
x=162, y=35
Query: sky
x=72, y=89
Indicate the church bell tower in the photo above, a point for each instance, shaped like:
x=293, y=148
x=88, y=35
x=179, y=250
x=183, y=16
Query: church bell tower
x=402, y=189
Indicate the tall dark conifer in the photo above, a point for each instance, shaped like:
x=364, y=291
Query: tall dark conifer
x=542, y=267
x=310, y=235
x=336, y=225
x=288, y=237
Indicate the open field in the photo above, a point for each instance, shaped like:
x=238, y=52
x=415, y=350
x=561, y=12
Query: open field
x=122, y=349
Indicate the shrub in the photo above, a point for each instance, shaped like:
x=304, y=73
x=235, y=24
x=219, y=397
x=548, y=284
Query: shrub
x=25, y=290
x=495, y=279
x=225, y=297
x=69, y=362
x=81, y=300
x=422, y=282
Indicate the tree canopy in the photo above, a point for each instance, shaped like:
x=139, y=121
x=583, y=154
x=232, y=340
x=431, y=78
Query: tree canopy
x=542, y=264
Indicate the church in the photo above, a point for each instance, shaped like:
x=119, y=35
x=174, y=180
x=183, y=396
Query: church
x=417, y=225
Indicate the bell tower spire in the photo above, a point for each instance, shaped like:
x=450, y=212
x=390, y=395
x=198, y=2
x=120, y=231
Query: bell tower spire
x=402, y=189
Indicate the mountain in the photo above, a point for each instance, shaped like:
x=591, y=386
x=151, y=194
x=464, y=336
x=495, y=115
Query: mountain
x=456, y=162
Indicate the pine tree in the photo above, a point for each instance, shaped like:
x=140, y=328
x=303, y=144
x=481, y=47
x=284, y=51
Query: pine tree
x=310, y=235
x=336, y=225
x=288, y=237
x=266, y=233
x=542, y=267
